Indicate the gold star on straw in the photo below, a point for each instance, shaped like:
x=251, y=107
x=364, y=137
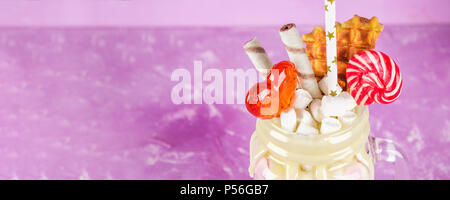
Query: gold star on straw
x=326, y=8
x=333, y=93
x=330, y=35
x=331, y=1
x=329, y=68
x=335, y=60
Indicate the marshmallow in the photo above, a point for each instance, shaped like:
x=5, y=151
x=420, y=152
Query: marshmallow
x=288, y=120
x=323, y=85
x=303, y=116
x=347, y=118
x=316, y=110
x=302, y=99
x=331, y=106
x=260, y=168
x=307, y=129
x=356, y=171
x=337, y=105
x=330, y=125
x=347, y=101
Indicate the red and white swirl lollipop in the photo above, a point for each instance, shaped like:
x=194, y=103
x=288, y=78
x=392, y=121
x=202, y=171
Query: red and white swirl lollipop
x=373, y=76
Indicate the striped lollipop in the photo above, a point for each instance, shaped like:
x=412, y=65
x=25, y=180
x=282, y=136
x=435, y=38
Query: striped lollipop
x=373, y=76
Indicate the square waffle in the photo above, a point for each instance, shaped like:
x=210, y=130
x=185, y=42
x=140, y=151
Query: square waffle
x=353, y=36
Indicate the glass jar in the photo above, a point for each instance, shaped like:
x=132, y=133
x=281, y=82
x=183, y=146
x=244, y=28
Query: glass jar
x=346, y=154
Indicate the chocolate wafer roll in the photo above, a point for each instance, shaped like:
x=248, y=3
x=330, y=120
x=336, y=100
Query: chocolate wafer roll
x=296, y=52
x=258, y=56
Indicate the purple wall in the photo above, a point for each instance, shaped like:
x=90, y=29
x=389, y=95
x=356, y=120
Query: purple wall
x=94, y=102
x=212, y=12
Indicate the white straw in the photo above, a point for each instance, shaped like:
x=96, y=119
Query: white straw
x=330, y=31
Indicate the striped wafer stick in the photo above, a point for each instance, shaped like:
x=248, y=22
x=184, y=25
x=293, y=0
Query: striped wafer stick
x=258, y=56
x=296, y=52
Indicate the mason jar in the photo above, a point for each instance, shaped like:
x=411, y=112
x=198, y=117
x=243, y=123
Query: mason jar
x=349, y=153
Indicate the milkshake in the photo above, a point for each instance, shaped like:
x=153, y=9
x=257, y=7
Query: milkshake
x=313, y=116
x=276, y=153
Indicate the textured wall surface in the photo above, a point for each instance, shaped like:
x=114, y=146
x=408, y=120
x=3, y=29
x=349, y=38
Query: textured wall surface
x=213, y=12
x=95, y=103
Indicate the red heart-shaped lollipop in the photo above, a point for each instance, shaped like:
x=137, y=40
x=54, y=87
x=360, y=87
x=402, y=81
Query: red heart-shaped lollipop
x=268, y=99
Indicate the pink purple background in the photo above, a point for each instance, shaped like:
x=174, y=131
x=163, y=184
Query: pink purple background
x=93, y=102
x=213, y=12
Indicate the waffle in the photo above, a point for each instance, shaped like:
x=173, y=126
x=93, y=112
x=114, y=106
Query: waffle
x=353, y=36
